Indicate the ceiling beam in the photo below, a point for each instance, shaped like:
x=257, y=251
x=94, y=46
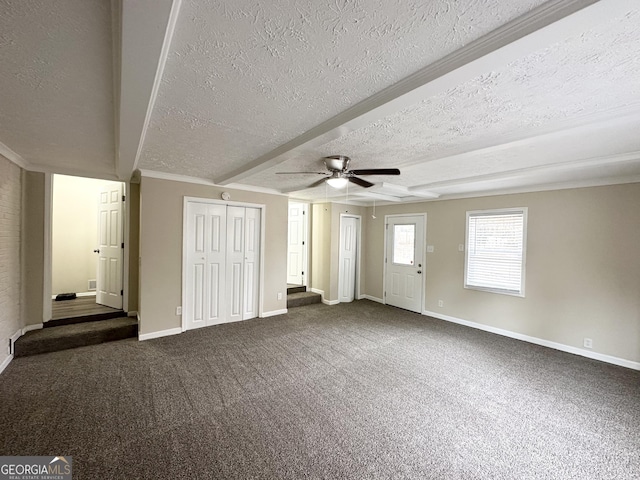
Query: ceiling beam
x=550, y=22
x=621, y=159
x=146, y=28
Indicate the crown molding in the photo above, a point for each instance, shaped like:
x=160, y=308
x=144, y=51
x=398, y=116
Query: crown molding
x=13, y=157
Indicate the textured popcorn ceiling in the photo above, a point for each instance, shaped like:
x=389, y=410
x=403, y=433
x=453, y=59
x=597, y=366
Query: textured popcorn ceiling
x=585, y=78
x=56, y=96
x=465, y=97
x=244, y=77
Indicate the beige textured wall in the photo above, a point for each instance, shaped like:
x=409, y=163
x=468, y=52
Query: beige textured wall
x=74, y=232
x=582, y=271
x=33, y=202
x=325, y=246
x=161, y=248
x=320, y=251
x=10, y=273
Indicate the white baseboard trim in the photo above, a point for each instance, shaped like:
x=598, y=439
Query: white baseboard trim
x=12, y=341
x=161, y=333
x=321, y=292
x=330, y=302
x=5, y=363
x=372, y=298
x=273, y=313
x=539, y=341
x=28, y=328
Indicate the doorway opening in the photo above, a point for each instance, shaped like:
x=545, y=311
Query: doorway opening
x=87, y=249
x=298, y=245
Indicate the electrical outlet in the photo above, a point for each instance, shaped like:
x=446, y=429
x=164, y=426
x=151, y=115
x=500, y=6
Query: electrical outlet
x=178, y=310
x=430, y=248
x=588, y=343
x=440, y=303
x=279, y=295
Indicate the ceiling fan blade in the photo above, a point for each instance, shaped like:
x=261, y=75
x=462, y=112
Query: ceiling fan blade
x=317, y=184
x=301, y=173
x=376, y=171
x=361, y=182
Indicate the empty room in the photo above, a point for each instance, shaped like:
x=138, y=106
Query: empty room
x=293, y=239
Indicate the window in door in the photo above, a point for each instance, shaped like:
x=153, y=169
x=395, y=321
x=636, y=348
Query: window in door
x=404, y=244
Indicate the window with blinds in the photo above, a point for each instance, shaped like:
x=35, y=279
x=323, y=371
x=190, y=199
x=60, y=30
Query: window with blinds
x=495, y=254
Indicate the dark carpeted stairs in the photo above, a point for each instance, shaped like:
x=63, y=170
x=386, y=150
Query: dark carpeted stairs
x=62, y=337
x=298, y=296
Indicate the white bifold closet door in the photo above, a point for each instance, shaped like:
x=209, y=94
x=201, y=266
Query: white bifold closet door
x=222, y=264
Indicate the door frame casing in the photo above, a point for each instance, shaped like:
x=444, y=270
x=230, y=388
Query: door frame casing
x=424, y=256
x=185, y=233
x=357, y=295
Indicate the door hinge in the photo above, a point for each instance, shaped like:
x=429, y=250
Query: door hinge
x=302, y=273
x=123, y=197
x=121, y=292
x=303, y=242
x=122, y=244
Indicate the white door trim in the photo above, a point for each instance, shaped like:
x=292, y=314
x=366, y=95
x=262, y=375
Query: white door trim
x=358, y=254
x=185, y=233
x=424, y=255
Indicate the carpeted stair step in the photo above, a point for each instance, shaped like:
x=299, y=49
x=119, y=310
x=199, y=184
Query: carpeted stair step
x=72, y=336
x=303, y=298
x=296, y=289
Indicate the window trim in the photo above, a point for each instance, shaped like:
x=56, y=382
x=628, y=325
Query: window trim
x=498, y=211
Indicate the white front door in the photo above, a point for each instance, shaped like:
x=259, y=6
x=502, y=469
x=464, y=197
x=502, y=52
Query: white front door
x=110, y=246
x=348, y=256
x=222, y=263
x=404, y=261
x=296, y=250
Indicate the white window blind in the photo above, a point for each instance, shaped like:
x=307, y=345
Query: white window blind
x=496, y=251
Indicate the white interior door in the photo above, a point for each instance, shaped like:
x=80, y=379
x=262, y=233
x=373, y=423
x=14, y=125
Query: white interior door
x=251, y=263
x=296, y=250
x=205, y=249
x=235, y=261
x=110, y=246
x=222, y=263
x=404, y=273
x=348, y=258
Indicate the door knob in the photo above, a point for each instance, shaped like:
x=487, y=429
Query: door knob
x=96, y=251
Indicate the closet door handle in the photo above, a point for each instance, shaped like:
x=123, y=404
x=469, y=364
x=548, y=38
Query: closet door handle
x=96, y=251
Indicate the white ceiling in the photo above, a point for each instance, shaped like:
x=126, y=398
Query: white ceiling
x=466, y=98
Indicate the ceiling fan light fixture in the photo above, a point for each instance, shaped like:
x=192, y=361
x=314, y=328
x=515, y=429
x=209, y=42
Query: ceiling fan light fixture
x=337, y=182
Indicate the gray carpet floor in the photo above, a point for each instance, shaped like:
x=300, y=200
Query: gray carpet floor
x=350, y=391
